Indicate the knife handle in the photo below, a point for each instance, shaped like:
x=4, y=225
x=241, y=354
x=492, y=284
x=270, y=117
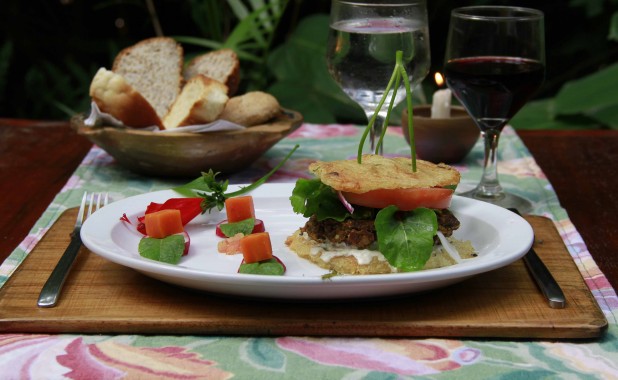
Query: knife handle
x=543, y=278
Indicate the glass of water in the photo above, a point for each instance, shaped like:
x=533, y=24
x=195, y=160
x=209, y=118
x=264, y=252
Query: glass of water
x=363, y=40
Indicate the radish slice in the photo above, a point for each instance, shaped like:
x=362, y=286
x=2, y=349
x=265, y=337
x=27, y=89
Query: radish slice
x=258, y=226
x=187, y=243
x=346, y=204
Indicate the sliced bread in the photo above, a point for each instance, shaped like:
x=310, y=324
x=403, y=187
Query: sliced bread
x=222, y=65
x=113, y=95
x=154, y=68
x=201, y=101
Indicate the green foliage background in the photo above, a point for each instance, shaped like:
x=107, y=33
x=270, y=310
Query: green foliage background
x=50, y=49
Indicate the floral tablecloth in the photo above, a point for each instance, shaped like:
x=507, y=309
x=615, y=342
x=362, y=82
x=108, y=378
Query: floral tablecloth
x=24, y=356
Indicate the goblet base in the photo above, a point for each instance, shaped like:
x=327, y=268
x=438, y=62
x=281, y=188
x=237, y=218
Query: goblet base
x=502, y=199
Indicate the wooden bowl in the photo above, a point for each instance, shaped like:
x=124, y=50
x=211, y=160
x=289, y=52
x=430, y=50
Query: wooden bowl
x=185, y=154
x=447, y=140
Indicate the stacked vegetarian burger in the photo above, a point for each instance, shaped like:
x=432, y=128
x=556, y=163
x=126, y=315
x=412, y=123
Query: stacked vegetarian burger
x=377, y=216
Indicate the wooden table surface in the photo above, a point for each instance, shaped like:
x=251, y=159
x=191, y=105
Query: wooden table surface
x=38, y=157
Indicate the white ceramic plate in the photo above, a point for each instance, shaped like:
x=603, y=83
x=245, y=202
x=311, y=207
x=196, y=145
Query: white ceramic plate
x=499, y=236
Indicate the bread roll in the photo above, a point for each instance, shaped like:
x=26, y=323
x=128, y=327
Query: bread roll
x=252, y=108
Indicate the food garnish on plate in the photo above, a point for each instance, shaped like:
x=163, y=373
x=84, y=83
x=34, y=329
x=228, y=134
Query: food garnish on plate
x=164, y=237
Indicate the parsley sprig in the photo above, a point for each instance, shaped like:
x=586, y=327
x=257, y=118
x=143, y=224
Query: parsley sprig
x=399, y=74
x=214, y=191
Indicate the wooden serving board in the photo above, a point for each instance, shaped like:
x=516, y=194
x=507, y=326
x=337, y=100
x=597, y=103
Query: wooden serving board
x=103, y=297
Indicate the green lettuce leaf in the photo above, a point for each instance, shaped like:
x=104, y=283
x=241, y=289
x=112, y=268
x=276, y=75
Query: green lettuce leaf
x=406, y=238
x=270, y=267
x=244, y=227
x=312, y=197
x=168, y=250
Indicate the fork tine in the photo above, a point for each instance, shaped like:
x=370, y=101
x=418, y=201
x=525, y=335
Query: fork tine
x=90, y=205
x=82, y=209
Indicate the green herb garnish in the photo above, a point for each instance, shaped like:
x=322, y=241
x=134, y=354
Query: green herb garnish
x=399, y=74
x=214, y=191
x=329, y=275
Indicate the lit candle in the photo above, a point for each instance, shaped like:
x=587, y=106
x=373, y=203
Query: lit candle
x=441, y=104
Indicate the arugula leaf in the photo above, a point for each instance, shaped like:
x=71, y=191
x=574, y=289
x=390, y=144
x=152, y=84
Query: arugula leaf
x=406, y=238
x=312, y=197
x=168, y=250
x=270, y=267
x=244, y=227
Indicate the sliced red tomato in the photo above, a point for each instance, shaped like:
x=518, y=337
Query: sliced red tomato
x=403, y=199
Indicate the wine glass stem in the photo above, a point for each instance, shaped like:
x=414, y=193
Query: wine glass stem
x=376, y=130
x=489, y=187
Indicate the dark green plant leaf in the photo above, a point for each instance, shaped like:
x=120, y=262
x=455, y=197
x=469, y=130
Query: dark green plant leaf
x=302, y=79
x=591, y=7
x=608, y=116
x=6, y=52
x=592, y=95
x=540, y=115
x=613, y=28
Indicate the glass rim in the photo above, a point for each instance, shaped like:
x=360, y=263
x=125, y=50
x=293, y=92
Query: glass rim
x=387, y=3
x=517, y=13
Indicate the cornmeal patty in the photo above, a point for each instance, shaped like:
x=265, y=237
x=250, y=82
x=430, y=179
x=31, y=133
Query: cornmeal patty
x=377, y=172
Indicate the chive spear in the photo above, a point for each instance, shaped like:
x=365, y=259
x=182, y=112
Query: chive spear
x=399, y=73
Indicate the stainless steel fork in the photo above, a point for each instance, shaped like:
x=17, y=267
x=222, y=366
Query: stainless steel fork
x=52, y=288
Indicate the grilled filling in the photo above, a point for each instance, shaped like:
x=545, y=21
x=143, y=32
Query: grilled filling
x=361, y=233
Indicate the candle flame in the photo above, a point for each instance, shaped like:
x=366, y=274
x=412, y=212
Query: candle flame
x=439, y=79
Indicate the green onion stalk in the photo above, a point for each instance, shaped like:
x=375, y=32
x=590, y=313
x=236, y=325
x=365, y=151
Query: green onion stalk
x=399, y=74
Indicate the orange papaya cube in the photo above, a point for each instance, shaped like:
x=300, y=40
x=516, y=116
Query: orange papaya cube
x=256, y=247
x=239, y=208
x=163, y=223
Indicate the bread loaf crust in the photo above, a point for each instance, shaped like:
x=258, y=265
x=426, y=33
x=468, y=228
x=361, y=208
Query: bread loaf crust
x=222, y=65
x=113, y=95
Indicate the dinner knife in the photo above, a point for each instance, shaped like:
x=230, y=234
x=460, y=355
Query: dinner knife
x=543, y=278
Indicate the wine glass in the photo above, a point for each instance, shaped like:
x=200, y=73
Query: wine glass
x=494, y=62
x=363, y=40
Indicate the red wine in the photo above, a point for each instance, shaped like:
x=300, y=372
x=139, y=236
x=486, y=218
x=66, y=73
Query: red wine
x=493, y=89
